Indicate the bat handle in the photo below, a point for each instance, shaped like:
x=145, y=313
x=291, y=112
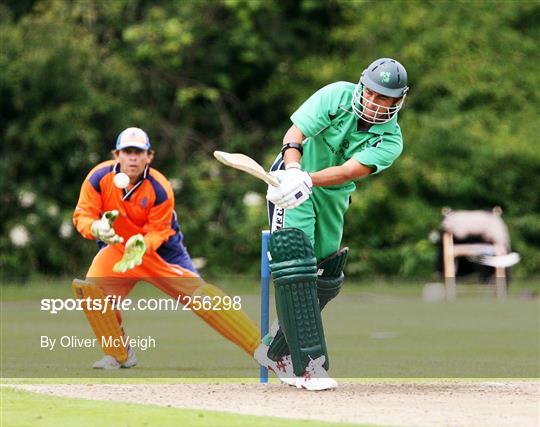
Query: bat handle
x=272, y=180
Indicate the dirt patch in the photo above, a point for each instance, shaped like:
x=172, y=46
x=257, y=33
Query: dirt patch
x=509, y=403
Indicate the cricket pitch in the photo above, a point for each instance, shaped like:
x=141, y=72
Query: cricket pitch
x=425, y=403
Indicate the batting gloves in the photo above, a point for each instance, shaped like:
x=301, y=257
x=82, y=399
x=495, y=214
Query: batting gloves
x=133, y=254
x=103, y=230
x=295, y=188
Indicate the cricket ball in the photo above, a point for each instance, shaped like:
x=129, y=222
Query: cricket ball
x=121, y=180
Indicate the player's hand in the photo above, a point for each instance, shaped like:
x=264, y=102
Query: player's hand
x=133, y=254
x=294, y=189
x=103, y=230
x=273, y=192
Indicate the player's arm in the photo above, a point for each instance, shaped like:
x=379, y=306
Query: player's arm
x=293, y=135
x=86, y=217
x=348, y=171
x=372, y=160
x=88, y=210
x=334, y=175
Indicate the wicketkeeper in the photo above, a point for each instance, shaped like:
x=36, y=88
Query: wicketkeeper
x=342, y=133
x=139, y=238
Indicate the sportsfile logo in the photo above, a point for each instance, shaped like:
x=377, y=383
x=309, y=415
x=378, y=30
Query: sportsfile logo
x=113, y=302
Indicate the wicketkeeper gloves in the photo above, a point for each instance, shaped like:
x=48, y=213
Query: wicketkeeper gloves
x=133, y=254
x=103, y=230
x=295, y=188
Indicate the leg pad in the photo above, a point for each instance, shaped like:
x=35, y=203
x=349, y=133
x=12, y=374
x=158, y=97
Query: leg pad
x=294, y=271
x=104, y=322
x=330, y=279
x=213, y=306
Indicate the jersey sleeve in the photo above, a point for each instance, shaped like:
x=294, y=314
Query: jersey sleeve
x=88, y=209
x=381, y=154
x=314, y=115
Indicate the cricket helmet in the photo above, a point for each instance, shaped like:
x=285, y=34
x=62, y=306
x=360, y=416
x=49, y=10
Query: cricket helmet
x=387, y=77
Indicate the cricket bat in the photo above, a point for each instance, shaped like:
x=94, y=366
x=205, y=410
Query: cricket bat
x=246, y=164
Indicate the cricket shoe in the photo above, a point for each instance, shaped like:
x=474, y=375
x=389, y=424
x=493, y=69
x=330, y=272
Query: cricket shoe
x=283, y=368
x=109, y=362
x=315, y=377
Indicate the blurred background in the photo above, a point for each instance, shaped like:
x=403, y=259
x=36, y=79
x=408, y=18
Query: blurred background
x=205, y=75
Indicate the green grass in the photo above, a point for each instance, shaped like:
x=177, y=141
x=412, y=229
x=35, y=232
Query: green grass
x=378, y=331
x=41, y=287
x=21, y=408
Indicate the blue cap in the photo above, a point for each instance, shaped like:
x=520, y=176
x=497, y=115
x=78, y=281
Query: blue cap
x=133, y=137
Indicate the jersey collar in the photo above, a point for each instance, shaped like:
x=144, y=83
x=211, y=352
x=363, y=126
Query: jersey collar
x=127, y=194
x=388, y=127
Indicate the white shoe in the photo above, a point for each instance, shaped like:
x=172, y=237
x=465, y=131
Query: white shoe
x=283, y=368
x=109, y=362
x=315, y=377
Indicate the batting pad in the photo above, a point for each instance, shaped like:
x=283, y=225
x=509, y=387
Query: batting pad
x=330, y=279
x=103, y=321
x=330, y=276
x=294, y=270
x=231, y=323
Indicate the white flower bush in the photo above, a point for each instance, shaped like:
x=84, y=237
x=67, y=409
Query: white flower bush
x=19, y=236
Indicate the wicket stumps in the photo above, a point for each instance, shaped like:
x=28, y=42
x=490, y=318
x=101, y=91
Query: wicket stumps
x=265, y=296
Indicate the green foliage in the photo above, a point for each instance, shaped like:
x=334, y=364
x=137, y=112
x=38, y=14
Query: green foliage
x=227, y=74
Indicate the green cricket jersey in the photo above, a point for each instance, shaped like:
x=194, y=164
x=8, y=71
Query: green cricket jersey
x=332, y=138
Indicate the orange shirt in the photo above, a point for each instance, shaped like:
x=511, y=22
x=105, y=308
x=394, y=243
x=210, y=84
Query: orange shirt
x=147, y=208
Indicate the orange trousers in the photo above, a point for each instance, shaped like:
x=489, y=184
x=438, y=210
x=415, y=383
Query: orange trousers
x=177, y=282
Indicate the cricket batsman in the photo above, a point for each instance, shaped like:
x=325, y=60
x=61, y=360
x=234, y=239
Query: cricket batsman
x=341, y=133
x=132, y=218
